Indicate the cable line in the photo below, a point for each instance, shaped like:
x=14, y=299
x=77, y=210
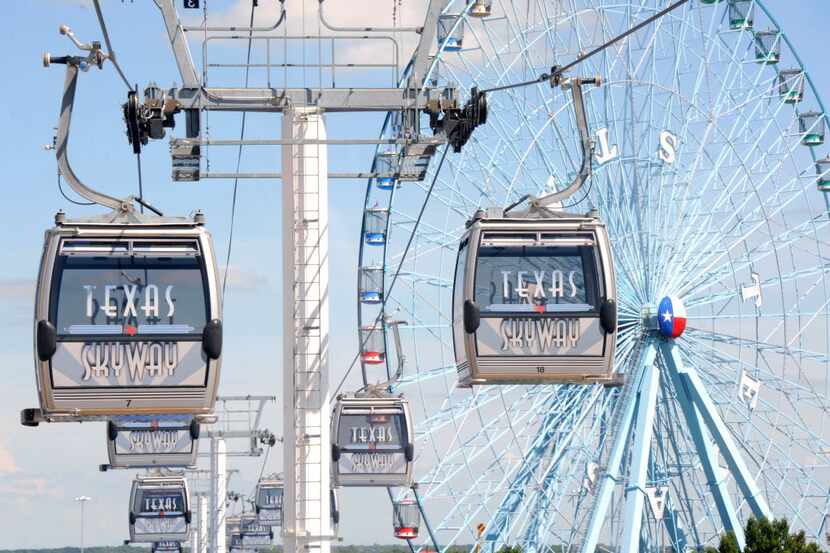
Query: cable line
x=238, y=158
x=557, y=72
x=140, y=183
x=110, y=51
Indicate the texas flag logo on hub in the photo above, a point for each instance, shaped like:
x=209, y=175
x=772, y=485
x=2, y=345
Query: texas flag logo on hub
x=671, y=317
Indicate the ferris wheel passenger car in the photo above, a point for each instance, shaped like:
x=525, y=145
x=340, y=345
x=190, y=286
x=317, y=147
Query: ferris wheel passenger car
x=127, y=317
x=372, y=441
x=534, y=301
x=159, y=509
x=406, y=518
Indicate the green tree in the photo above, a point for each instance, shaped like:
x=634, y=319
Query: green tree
x=768, y=536
x=729, y=543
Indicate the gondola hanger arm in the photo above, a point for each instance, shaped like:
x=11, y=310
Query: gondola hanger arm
x=586, y=145
x=75, y=64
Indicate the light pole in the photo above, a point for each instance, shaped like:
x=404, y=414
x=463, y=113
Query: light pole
x=82, y=499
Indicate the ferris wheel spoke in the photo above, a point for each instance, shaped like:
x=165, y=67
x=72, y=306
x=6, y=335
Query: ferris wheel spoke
x=506, y=139
x=738, y=127
x=707, y=263
x=761, y=252
x=498, y=460
x=765, y=420
x=445, y=246
x=704, y=69
x=525, y=477
x=786, y=239
x=705, y=339
x=546, y=508
x=740, y=178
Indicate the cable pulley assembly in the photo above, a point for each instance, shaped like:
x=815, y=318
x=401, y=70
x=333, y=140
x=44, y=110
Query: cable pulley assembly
x=458, y=124
x=148, y=119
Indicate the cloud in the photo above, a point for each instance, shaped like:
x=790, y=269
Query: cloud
x=244, y=279
x=355, y=13
x=29, y=487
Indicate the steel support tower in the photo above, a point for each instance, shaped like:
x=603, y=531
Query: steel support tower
x=306, y=523
x=218, y=492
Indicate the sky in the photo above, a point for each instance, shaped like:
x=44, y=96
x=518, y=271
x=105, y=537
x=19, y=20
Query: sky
x=42, y=470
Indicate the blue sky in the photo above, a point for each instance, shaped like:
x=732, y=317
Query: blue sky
x=42, y=470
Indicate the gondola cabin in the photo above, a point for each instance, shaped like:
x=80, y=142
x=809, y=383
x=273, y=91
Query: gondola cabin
x=372, y=441
x=534, y=301
x=253, y=532
x=159, y=509
x=406, y=518
x=127, y=318
x=234, y=543
x=269, y=496
x=152, y=441
x=233, y=536
x=166, y=547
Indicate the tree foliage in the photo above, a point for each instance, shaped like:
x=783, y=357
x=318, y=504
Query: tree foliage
x=768, y=536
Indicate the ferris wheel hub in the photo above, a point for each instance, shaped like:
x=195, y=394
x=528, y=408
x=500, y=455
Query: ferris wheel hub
x=671, y=317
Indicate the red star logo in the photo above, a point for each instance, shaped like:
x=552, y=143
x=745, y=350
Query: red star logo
x=130, y=330
x=539, y=308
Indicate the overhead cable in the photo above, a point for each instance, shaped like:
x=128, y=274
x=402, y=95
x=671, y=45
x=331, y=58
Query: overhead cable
x=238, y=157
x=557, y=72
x=110, y=51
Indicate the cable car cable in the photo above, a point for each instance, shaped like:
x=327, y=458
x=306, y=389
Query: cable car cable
x=238, y=158
x=110, y=51
x=398, y=270
x=140, y=184
x=556, y=72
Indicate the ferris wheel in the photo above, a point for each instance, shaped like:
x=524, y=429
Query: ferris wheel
x=709, y=171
